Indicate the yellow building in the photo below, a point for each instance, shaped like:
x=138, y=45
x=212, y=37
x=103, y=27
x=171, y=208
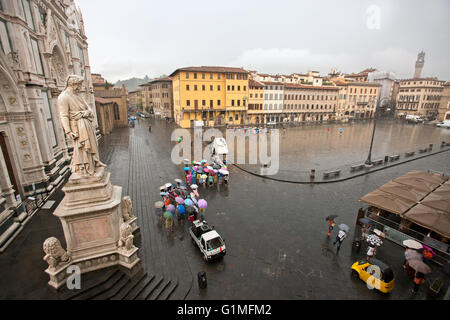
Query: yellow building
x=255, y=113
x=214, y=95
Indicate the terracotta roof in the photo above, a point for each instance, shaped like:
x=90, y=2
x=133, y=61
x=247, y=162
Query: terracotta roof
x=299, y=86
x=211, y=69
x=161, y=80
x=254, y=83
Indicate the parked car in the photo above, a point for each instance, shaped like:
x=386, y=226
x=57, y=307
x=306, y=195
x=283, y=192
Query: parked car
x=375, y=273
x=414, y=118
x=210, y=243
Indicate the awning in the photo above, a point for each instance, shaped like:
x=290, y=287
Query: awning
x=435, y=220
x=388, y=202
x=405, y=191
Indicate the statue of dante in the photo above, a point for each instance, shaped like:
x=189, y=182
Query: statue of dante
x=78, y=123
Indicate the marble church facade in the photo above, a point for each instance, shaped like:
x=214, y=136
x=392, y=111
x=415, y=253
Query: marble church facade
x=42, y=41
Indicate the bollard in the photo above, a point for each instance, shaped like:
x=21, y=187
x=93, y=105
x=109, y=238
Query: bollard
x=201, y=278
x=313, y=173
x=386, y=158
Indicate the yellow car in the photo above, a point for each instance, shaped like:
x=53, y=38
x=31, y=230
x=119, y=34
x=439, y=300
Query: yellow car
x=375, y=273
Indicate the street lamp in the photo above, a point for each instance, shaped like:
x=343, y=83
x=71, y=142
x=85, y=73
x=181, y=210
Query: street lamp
x=369, y=157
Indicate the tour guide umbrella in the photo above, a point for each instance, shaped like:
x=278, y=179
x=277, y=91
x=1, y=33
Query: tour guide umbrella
x=412, y=244
x=344, y=227
x=179, y=200
x=171, y=208
x=202, y=204
x=168, y=215
x=419, y=266
x=374, y=240
x=159, y=204
x=331, y=217
x=188, y=202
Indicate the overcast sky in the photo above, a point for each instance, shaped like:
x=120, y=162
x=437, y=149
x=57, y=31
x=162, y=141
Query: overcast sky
x=142, y=37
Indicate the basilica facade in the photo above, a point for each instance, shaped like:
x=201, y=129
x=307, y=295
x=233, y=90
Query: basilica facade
x=42, y=41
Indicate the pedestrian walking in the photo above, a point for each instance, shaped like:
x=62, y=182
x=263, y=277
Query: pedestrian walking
x=371, y=251
x=339, y=239
x=149, y=128
x=331, y=224
x=419, y=278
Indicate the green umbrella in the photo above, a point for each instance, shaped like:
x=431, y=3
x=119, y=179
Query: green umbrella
x=168, y=215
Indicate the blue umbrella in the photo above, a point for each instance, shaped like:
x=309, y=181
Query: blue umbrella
x=181, y=209
x=188, y=202
x=187, y=169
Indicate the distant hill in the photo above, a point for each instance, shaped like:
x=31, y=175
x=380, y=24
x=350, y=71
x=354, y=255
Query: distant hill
x=133, y=83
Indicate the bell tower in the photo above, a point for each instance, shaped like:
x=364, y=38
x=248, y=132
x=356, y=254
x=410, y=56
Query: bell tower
x=419, y=64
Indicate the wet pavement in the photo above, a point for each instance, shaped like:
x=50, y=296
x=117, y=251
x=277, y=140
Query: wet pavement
x=276, y=233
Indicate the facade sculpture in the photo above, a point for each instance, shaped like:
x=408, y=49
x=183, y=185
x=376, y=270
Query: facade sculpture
x=78, y=122
x=54, y=253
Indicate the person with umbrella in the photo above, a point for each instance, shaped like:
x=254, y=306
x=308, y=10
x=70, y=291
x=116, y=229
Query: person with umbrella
x=159, y=208
x=343, y=229
x=428, y=254
x=202, y=204
x=181, y=213
x=365, y=230
x=168, y=216
x=373, y=241
x=331, y=223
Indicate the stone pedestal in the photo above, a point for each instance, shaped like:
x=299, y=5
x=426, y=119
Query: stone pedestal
x=91, y=216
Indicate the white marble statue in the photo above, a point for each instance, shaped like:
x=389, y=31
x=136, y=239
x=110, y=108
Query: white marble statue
x=127, y=209
x=126, y=237
x=78, y=122
x=55, y=255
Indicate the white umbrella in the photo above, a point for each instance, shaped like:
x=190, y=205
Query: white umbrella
x=178, y=180
x=159, y=204
x=223, y=171
x=168, y=185
x=379, y=233
x=412, y=254
x=344, y=227
x=412, y=244
x=194, y=186
x=186, y=161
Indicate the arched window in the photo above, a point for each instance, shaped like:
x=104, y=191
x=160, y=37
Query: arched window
x=116, y=112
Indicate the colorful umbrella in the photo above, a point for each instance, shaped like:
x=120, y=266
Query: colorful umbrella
x=179, y=200
x=204, y=176
x=168, y=215
x=212, y=172
x=159, y=204
x=429, y=249
x=203, y=161
x=374, y=240
x=170, y=208
x=188, y=202
x=210, y=168
x=186, y=169
x=202, y=203
x=412, y=244
x=200, y=170
x=181, y=209
x=195, y=168
x=205, y=170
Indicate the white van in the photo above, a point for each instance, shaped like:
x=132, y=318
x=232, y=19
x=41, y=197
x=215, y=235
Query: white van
x=414, y=118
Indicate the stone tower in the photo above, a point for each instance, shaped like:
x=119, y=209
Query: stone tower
x=419, y=64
